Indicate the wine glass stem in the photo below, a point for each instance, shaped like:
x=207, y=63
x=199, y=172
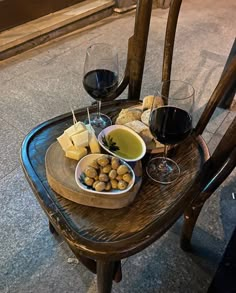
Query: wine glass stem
x=99, y=108
x=165, y=155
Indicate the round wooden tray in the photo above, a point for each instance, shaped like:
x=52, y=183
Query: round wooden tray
x=60, y=173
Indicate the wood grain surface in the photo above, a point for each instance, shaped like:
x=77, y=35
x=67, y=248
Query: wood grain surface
x=61, y=177
x=100, y=232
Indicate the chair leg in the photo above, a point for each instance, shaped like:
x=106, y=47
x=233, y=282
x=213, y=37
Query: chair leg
x=105, y=272
x=190, y=218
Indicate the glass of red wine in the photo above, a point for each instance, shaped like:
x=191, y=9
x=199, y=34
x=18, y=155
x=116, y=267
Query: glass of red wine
x=170, y=124
x=100, y=79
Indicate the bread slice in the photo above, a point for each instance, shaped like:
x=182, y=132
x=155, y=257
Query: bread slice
x=152, y=101
x=128, y=115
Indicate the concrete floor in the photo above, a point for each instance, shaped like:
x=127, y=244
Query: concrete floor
x=45, y=82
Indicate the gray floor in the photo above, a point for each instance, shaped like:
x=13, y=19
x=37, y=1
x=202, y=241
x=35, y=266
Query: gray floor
x=45, y=82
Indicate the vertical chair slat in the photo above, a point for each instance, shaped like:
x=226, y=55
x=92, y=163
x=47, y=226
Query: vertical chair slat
x=170, y=38
x=225, y=82
x=226, y=146
x=139, y=45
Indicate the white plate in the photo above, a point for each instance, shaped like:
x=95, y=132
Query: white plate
x=105, y=132
x=85, y=162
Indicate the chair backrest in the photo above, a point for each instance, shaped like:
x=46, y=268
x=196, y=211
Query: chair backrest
x=137, y=45
x=223, y=160
x=133, y=79
x=221, y=163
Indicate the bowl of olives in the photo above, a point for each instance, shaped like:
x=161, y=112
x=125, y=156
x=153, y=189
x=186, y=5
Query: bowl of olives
x=104, y=174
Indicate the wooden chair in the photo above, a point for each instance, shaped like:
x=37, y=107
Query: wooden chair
x=219, y=165
x=101, y=238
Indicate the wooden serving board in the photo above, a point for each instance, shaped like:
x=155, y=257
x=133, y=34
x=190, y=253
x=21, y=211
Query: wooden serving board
x=60, y=173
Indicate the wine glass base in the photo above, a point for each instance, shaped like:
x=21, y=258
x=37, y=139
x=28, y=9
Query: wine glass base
x=98, y=123
x=162, y=170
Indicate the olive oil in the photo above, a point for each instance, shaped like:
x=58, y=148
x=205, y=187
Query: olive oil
x=129, y=145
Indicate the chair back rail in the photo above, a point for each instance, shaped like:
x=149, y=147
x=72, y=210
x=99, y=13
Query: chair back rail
x=221, y=163
x=222, y=174
x=227, y=79
x=137, y=46
x=226, y=146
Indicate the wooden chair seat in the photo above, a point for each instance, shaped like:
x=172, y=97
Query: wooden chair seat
x=155, y=208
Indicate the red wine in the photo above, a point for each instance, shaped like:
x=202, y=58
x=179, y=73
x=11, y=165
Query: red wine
x=100, y=82
x=170, y=125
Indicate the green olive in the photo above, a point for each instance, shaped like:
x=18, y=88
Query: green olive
x=103, y=161
x=103, y=177
x=115, y=163
x=90, y=172
x=112, y=174
x=119, y=177
x=94, y=164
x=106, y=169
x=100, y=186
x=122, y=185
x=108, y=186
x=127, y=177
x=88, y=181
x=114, y=184
x=122, y=169
x=95, y=183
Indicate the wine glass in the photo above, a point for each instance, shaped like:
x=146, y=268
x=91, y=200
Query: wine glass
x=170, y=124
x=100, y=79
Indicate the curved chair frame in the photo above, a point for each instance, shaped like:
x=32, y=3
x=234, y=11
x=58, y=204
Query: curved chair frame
x=102, y=250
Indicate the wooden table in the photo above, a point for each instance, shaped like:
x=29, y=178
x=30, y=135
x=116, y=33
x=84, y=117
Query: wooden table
x=107, y=236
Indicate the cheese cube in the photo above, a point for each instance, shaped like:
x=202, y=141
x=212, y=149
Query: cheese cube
x=80, y=139
x=94, y=145
x=64, y=141
x=75, y=129
x=76, y=153
x=90, y=129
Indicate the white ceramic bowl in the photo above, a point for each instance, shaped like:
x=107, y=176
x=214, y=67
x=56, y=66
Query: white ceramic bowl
x=85, y=162
x=107, y=131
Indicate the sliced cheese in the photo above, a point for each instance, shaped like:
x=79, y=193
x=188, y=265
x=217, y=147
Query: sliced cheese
x=145, y=116
x=75, y=129
x=64, y=141
x=136, y=125
x=94, y=145
x=81, y=139
x=141, y=129
x=90, y=129
x=76, y=153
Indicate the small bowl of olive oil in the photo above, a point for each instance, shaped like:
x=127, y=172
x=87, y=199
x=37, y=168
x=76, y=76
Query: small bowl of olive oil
x=122, y=142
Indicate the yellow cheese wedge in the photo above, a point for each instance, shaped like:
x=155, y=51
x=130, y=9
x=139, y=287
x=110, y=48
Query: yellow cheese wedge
x=94, y=145
x=80, y=139
x=90, y=129
x=75, y=129
x=76, y=153
x=64, y=141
